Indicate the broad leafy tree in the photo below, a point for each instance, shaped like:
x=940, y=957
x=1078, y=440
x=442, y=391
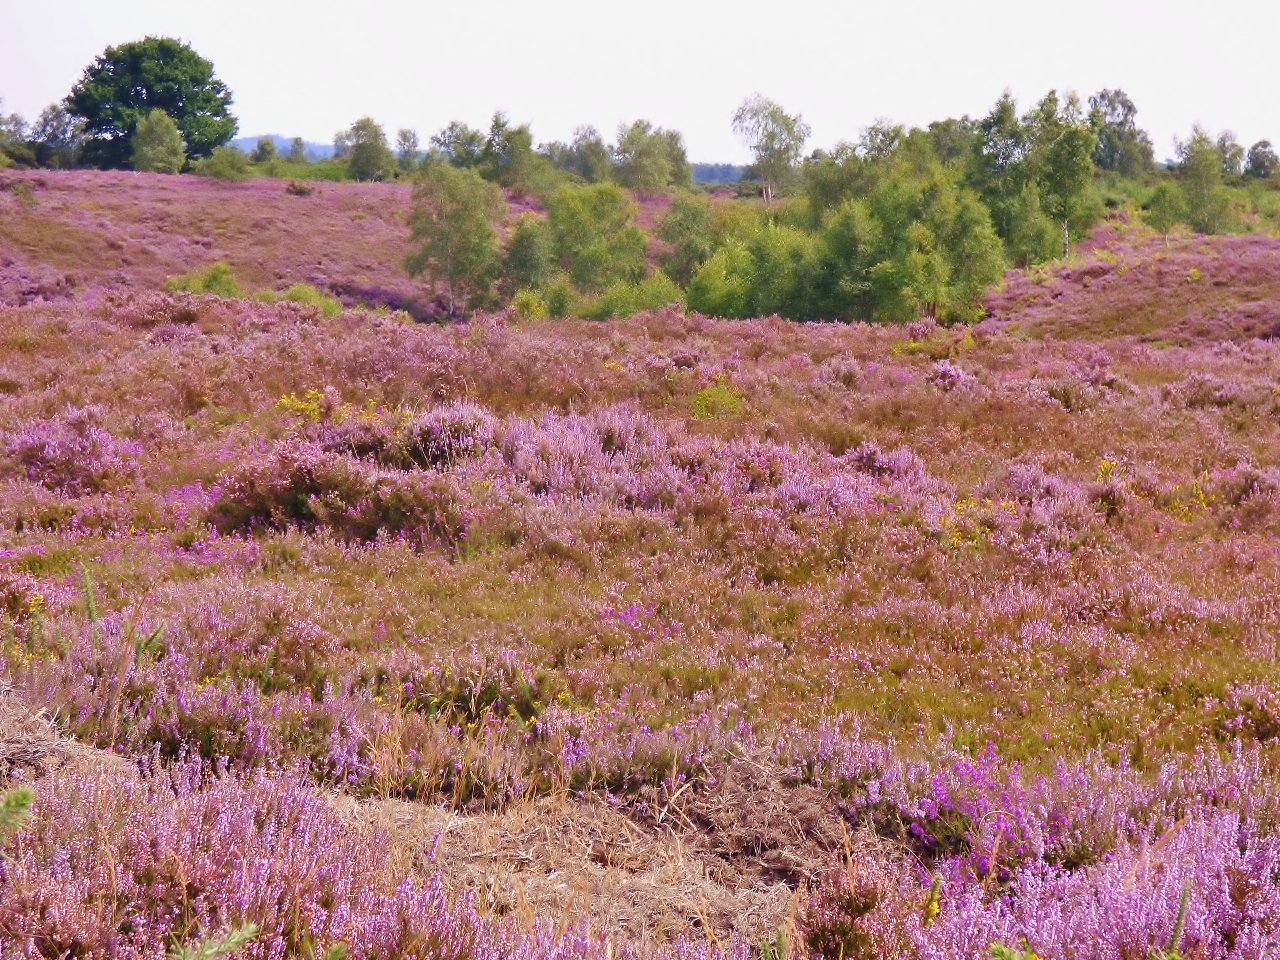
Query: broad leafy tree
x=588, y=156
x=368, y=156
x=1122, y=147
x=1262, y=162
x=452, y=222
x=459, y=145
x=127, y=82
x=644, y=158
x=775, y=138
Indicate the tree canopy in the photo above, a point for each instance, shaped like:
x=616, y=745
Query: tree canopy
x=774, y=137
x=129, y=81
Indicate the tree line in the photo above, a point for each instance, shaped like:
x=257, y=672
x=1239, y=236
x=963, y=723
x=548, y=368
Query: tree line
x=900, y=223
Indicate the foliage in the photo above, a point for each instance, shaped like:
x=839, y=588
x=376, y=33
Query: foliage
x=775, y=138
x=1262, y=162
x=1201, y=166
x=592, y=235
x=452, y=222
x=217, y=279
x=460, y=145
x=1166, y=208
x=15, y=810
x=687, y=228
x=225, y=163
x=407, y=152
x=264, y=151
x=367, y=154
x=1122, y=147
x=307, y=295
x=157, y=144
x=208, y=948
x=651, y=160
x=907, y=240
x=622, y=298
x=128, y=82
x=529, y=260
x=587, y=156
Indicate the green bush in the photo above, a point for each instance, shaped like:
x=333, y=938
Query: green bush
x=225, y=163
x=216, y=279
x=157, y=144
x=304, y=293
x=528, y=305
x=560, y=297
x=624, y=298
x=593, y=237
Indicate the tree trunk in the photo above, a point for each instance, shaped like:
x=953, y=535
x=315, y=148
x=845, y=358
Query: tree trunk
x=1066, y=239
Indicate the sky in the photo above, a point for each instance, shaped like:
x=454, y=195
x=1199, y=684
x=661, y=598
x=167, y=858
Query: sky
x=310, y=67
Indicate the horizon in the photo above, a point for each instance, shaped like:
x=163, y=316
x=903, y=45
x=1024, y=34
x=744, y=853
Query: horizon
x=337, y=68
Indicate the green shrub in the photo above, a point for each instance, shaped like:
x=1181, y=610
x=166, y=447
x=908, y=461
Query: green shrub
x=157, y=144
x=624, y=298
x=306, y=294
x=225, y=163
x=560, y=297
x=529, y=305
x=217, y=279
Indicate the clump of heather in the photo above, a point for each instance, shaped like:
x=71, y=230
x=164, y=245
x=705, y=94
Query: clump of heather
x=71, y=452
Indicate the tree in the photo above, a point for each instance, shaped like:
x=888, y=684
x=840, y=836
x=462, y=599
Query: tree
x=644, y=158
x=127, y=82
x=368, y=157
x=452, y=223
x=1166, y=208
x=407, y=151
x=687, y=228
x=1122, y=147
x=774, y=137
x=265, y=150
x=507, y=156
x=57, y=128
x=588, y=157
x=460, y=145
x=1262, y=162
x=529, y=261
x=1064, y=149
x=1232, y=154
x=1201, y=167
x=593, y=237
x=157, y=144
x=297, y=151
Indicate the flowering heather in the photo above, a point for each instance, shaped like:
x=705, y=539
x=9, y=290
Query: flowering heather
x=905, y=640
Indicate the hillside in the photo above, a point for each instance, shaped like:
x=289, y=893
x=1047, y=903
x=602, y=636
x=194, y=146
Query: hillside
x=645, y=637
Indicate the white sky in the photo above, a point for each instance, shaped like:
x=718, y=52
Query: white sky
x=309, y=67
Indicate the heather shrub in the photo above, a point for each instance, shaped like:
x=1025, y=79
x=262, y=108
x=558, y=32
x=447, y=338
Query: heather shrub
x=301, y=484
x=72, y=452
x=849, y=914
x=217, y=279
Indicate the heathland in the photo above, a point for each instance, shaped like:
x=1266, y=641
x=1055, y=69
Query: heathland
x=666, y=635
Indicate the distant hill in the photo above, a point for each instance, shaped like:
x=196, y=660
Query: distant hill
x=315, y=151
x=717, y=172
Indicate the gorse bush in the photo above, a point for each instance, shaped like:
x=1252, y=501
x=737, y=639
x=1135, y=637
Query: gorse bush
x=217, y=279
